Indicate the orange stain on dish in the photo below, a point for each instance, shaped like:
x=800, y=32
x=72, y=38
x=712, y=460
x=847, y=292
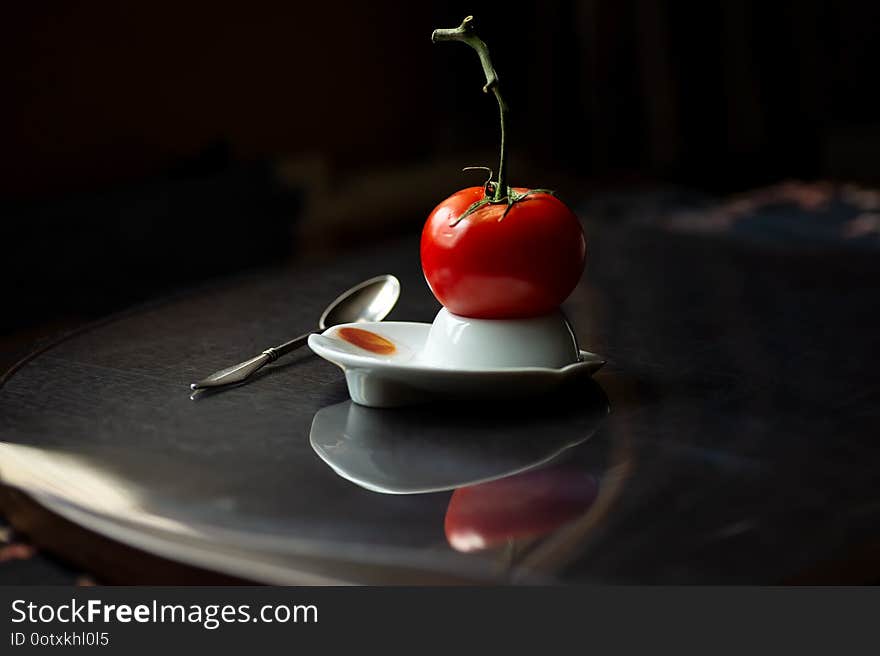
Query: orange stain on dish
x=367, y=340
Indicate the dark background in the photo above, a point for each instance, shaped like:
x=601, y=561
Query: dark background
x=150, y=146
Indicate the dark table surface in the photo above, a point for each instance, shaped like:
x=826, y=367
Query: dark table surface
x=740, y=446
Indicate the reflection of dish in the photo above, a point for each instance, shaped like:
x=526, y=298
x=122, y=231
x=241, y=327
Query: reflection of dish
x=401, y=378
x=431, y=448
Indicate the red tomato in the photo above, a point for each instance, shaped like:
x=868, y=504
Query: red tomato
x=522, y=266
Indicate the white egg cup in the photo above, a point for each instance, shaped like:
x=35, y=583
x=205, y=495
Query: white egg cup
x=463, y=343
x=457, y=358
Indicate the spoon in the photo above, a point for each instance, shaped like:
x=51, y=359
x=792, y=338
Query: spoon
x=371, y=300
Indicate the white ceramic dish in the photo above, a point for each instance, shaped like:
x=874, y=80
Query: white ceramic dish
x=456, y=342
x=404, y=376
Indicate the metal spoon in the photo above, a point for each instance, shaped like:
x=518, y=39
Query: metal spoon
x=371, y=300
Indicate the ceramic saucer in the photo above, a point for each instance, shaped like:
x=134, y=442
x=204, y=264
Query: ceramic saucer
x=388, y=369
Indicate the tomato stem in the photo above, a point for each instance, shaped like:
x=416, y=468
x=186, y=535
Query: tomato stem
x=465, y=34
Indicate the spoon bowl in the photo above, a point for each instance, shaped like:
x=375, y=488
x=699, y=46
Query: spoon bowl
x=371, y=300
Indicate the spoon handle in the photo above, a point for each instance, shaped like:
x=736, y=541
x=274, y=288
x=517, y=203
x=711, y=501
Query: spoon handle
x=292, y=345
x=243, y=370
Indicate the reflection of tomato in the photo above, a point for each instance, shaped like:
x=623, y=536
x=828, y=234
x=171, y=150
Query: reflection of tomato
x=526, y=505
x=524, y=265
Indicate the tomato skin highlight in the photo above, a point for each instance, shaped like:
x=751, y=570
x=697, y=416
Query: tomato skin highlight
x=525, y=265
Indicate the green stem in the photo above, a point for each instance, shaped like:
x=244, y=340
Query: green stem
x=465, y=34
